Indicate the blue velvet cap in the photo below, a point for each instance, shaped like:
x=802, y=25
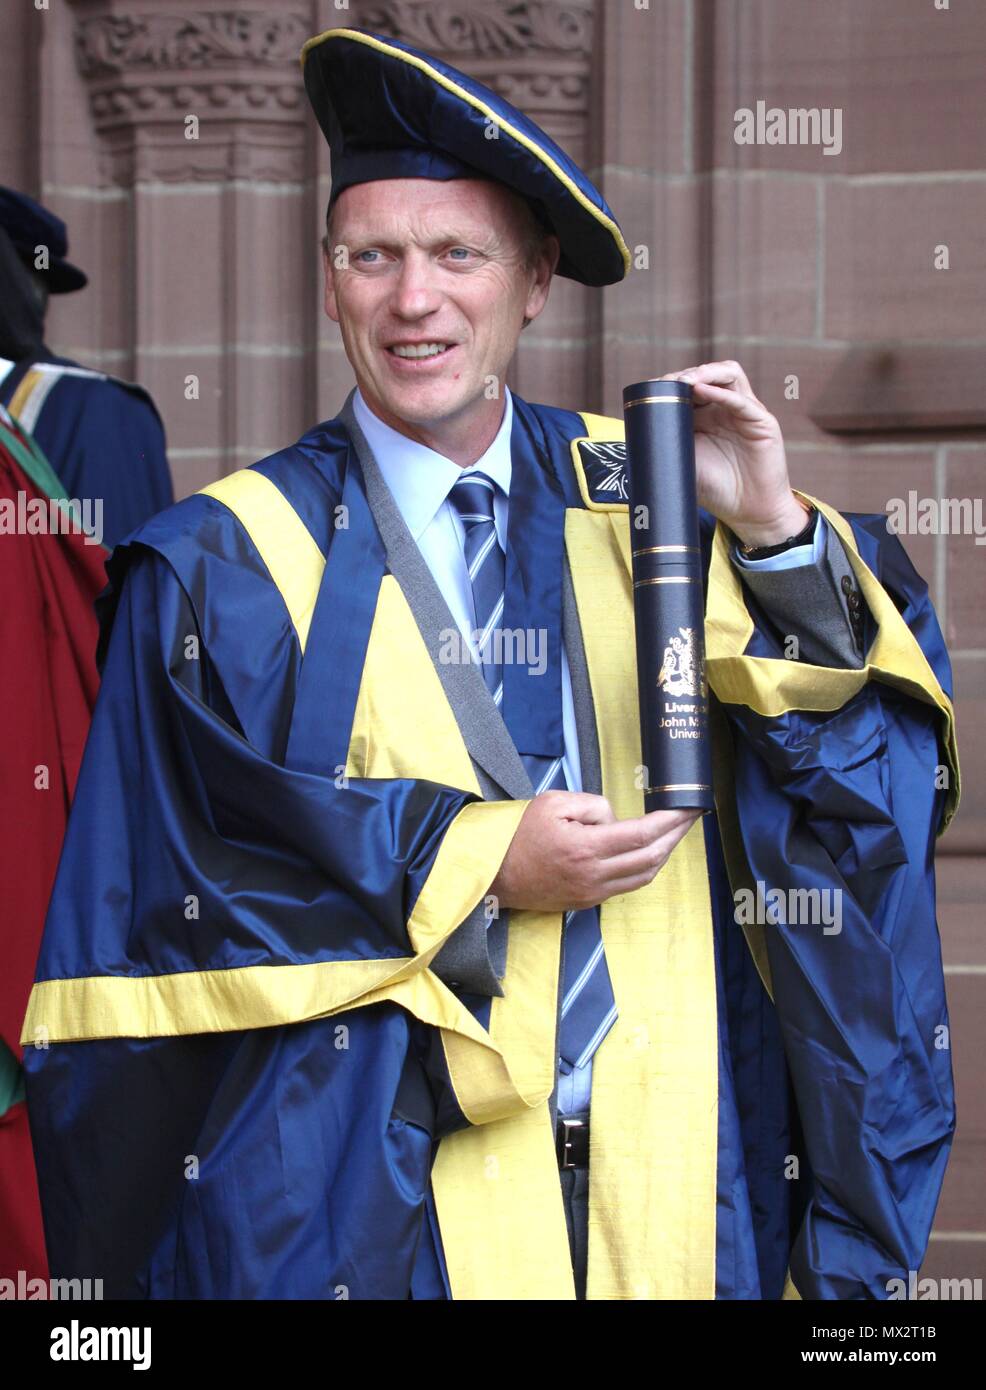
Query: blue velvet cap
x=30, y=225
x=390, y=111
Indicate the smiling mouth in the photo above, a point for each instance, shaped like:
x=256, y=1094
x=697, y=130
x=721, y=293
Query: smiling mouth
x=418, y=350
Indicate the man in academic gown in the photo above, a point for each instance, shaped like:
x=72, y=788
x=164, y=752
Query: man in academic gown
x=331, y=1003
x=103, y=436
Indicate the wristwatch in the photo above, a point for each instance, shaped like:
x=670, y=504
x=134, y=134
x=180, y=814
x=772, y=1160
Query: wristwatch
x=764, y=552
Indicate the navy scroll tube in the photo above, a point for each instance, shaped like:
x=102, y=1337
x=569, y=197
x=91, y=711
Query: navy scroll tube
x=668, y=596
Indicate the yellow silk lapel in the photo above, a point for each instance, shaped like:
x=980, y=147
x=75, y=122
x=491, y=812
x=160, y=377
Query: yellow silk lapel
x=282, y=539
x=496, y=1184
x=652, y=1170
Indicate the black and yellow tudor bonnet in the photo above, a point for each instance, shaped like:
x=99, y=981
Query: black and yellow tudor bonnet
x=390, y=111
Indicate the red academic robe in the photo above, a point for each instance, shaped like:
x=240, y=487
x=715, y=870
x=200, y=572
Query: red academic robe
x=48, y=683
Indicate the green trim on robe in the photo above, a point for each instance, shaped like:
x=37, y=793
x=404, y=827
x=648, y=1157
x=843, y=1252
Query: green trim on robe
x=33, y=462
x=11, y=1079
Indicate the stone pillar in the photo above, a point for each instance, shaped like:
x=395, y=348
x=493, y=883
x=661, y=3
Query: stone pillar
x=205, y=262
x=652, y=121
x=23, y=28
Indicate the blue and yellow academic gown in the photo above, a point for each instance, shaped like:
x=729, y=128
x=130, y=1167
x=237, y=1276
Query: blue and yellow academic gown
x=278, y=824
x=104, y=437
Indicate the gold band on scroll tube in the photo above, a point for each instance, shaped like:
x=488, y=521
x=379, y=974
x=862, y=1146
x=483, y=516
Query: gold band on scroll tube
x=681, y=787
x=662, y=549
x=659, y=400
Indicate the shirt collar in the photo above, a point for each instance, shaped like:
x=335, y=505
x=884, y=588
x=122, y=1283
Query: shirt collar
x=419, y=478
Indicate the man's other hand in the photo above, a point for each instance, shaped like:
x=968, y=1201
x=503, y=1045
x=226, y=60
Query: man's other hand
x=570, y=851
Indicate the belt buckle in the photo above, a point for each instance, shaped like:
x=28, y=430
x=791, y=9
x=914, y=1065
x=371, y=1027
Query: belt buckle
x=566, y=1143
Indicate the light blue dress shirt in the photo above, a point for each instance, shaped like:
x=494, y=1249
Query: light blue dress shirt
x=420, y=480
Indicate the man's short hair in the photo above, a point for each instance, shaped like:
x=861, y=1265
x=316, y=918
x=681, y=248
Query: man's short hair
x=535, y=232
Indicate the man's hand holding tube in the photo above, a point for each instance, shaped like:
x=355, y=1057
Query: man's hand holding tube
x=570, y=851
x=740, y=461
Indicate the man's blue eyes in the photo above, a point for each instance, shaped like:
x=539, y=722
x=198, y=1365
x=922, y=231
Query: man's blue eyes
x=457, y=252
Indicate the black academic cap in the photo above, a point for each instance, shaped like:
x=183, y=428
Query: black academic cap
x=29, y=225
x=390, y=111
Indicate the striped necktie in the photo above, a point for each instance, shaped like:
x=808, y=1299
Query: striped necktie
x=588, y=1009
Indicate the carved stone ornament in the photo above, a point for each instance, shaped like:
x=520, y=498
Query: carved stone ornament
x=536, y=54
x=115, y=43
x=443, y=26
x=228, y=66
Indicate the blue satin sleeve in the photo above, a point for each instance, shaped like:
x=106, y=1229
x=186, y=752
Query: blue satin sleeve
x=231, y=1163
x=844, y=806
x=188, y=849
x=269, y=1163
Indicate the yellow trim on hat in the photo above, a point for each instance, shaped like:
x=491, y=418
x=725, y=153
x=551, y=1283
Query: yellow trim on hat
x=488, y=111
